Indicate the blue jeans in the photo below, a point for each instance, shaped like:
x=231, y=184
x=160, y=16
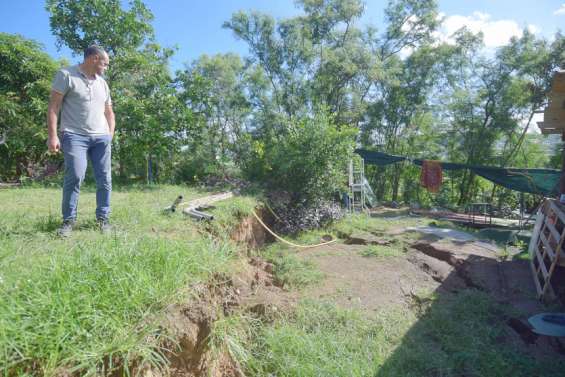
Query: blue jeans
x=76, y=149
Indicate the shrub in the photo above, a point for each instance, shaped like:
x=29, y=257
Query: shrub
x=309, y=159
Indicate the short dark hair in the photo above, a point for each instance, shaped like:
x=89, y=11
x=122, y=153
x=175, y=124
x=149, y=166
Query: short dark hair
x=93, y=50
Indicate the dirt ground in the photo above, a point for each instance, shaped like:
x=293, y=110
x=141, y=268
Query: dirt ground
x=445, y=264
x=368, y=283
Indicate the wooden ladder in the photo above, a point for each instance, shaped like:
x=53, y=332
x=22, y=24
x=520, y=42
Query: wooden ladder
x=545, y=246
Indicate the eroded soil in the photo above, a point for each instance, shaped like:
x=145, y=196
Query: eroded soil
x=424, y=263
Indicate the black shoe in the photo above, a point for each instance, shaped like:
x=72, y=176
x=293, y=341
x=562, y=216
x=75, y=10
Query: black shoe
x=66, y=229
x=105, y=227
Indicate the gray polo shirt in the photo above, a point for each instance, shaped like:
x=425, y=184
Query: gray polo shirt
x=82, y=111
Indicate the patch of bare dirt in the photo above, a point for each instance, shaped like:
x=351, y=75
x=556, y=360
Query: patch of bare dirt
x=482, y=268
x=251, y=233
x=441, y=271
x=367, y=283
x=365, y=239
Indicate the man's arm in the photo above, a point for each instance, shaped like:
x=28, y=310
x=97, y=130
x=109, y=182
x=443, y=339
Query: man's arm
x=55, y=102
x=109, y=113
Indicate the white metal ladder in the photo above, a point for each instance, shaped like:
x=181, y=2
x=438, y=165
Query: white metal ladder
x=357, y=186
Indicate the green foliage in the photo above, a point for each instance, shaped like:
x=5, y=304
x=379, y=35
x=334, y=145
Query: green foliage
x=213, y=89
x=484, y=103
x=78, y=24
x=405, y=91
x=409, y=23
x=152, y=121
x=195, y=165
x=309, y=160
x=290, y=271
x=25, y=82
x=321, y=59
x=383, y=251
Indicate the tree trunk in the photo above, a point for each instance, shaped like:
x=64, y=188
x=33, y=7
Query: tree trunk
x=520, y=140
x=465, y=188
x=462, y=189
x=395, y=185
x=149, y=175
x=121, y=159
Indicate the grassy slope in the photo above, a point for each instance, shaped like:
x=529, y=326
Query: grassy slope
x=74, y=302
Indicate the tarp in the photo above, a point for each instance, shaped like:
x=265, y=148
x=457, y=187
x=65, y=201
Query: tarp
x=378, y=158
x=534, y=181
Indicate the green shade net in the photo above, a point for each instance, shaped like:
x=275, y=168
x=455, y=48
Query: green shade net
x=378, y=158
x=534, y=181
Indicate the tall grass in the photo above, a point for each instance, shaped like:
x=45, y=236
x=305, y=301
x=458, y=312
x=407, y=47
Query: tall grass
x=452, y=336
x=88, y=302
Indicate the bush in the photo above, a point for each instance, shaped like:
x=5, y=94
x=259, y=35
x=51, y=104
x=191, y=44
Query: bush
x=309, y=159
x=195, y=165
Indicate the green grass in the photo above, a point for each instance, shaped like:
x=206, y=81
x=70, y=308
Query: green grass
x=453, y=336
x=318, y=340
x=77, y=302
x=440, y=335
x=362, y=222
x=231, y=334
x=228, y=213
x=394, y=249
x=289, y=270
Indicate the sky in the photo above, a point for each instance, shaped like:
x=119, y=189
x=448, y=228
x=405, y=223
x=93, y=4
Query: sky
x=195, y=26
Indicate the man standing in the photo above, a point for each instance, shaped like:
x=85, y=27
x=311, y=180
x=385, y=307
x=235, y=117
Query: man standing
x=87, y=125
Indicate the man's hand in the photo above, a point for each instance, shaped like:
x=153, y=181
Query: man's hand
x=53, y=144
x=55, y=101
x=110, y=118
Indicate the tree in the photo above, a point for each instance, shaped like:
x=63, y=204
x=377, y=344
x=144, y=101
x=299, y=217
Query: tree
x=323, y=60
x=532, y=61
x=312, y=61
x=25, y=82
x=213, y=88
x=78, y=24
x=410, y=24
x=148, y=112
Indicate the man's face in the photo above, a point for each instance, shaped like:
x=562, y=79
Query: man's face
x=101, y=63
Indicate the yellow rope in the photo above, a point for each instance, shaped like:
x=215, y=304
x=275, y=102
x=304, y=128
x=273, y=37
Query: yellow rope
x=272, y=212
x=288, y=242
